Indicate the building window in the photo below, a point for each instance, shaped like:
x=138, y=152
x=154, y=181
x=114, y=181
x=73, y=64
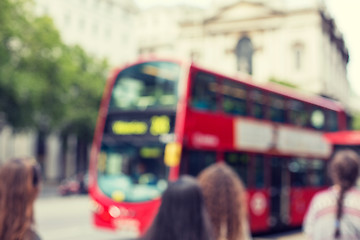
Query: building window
x=67, y=19
x=244, y=53
x=95, y=28
x=298, y=56
x=81, y=24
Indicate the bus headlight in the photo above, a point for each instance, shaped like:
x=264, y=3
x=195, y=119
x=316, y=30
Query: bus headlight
x=96, y=207
x=114, y=211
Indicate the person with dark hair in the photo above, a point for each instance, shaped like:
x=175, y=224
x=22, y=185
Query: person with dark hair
x=19, y=187
x=182, y=214
x=225, y=200
x=335, y=212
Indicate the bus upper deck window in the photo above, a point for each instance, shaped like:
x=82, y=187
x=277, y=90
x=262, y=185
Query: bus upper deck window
x=146, y=85
x=332, y=121
x=277, y=110
x=204, y=90
x=257, y=104
x=234, y=98
x=297, y=113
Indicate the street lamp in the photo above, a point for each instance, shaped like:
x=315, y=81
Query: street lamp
x=2, y=125
x=2, y=121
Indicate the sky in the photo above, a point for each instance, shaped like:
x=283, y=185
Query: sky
x=346, y=15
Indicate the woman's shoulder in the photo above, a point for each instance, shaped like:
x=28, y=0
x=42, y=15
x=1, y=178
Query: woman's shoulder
x=324, y=197
x=32, y=235
x=326, y=193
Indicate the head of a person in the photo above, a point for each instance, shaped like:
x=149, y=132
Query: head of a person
x=182, y=215
x=225, y=200
x=344, y=168
x=19, y=187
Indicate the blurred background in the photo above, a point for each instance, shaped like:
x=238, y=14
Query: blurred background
x=55, y=57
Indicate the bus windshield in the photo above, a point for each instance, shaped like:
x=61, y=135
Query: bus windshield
x=132, y=174
x=146, y=85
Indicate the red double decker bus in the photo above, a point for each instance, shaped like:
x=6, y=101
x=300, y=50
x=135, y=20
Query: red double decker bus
x=159, y=119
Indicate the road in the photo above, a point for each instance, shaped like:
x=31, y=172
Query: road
x=69, y=218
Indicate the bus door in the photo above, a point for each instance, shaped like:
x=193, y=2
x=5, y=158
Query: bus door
x=194, y=161
x=279, y=193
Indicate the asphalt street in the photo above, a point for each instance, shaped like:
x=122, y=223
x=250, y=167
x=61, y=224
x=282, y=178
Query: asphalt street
x=60, y=218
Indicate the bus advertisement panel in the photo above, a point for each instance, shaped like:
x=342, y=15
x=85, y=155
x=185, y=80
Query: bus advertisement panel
x=159, y=119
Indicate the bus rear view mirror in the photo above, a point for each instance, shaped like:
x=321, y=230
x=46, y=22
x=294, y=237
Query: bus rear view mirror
x=172, y=154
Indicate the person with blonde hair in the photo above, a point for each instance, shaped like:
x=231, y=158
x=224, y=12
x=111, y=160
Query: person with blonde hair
x=225, y=200
x=335, y=212
x=19, y=187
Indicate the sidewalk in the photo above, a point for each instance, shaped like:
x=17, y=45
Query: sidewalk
x=48, y=189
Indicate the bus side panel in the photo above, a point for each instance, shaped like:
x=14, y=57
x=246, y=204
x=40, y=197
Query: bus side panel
x=259, y=210
x=206, y=130
x=299, y=201
x=136, y=216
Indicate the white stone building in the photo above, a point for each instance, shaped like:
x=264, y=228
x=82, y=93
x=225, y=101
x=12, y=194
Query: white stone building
x=158, y=29
x=289, y=40
x=102, y=28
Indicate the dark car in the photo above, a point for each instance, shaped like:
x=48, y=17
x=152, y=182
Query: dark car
x=77, y=184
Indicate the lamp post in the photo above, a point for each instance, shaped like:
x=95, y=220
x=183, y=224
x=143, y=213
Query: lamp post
x=2, y=121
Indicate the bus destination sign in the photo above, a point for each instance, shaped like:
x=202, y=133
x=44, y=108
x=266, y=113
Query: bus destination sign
x=155, y=125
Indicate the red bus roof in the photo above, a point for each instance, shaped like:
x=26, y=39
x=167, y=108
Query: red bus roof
x=344, y=137
x=270, y=87
x=282, y=90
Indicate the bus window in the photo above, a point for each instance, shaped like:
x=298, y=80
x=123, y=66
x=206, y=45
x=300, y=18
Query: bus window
x=317, y=173
x=297, y=113
x=257, y=107
x=234, y=98
x=317, y=119
x=197, y=161
x=259, y=171
x=147, y=85
x=277, y=110
x=137, y=173
x=239, y=162
x=298, y=170
x=332, y=121
x=204, y=92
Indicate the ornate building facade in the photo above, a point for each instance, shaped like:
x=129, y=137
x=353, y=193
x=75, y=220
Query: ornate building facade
x=284, y=40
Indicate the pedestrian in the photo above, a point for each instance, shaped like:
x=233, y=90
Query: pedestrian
x=335, y=212
x=225, y=200
x=19, y=187
x=182, y=214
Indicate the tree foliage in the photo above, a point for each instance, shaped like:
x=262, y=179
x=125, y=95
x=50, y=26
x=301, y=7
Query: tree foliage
x=282, y=82
x=44, y=83
x=356, y=121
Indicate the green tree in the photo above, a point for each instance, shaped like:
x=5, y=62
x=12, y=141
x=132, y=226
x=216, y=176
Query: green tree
x=282, y=82
x=356, y=121
x=45, y=84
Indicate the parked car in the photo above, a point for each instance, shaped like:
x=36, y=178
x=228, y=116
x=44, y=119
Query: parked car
x=77, y=184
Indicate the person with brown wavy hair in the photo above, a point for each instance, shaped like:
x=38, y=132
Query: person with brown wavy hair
x=225, y=200
x=19, y=187
x=335, y=212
